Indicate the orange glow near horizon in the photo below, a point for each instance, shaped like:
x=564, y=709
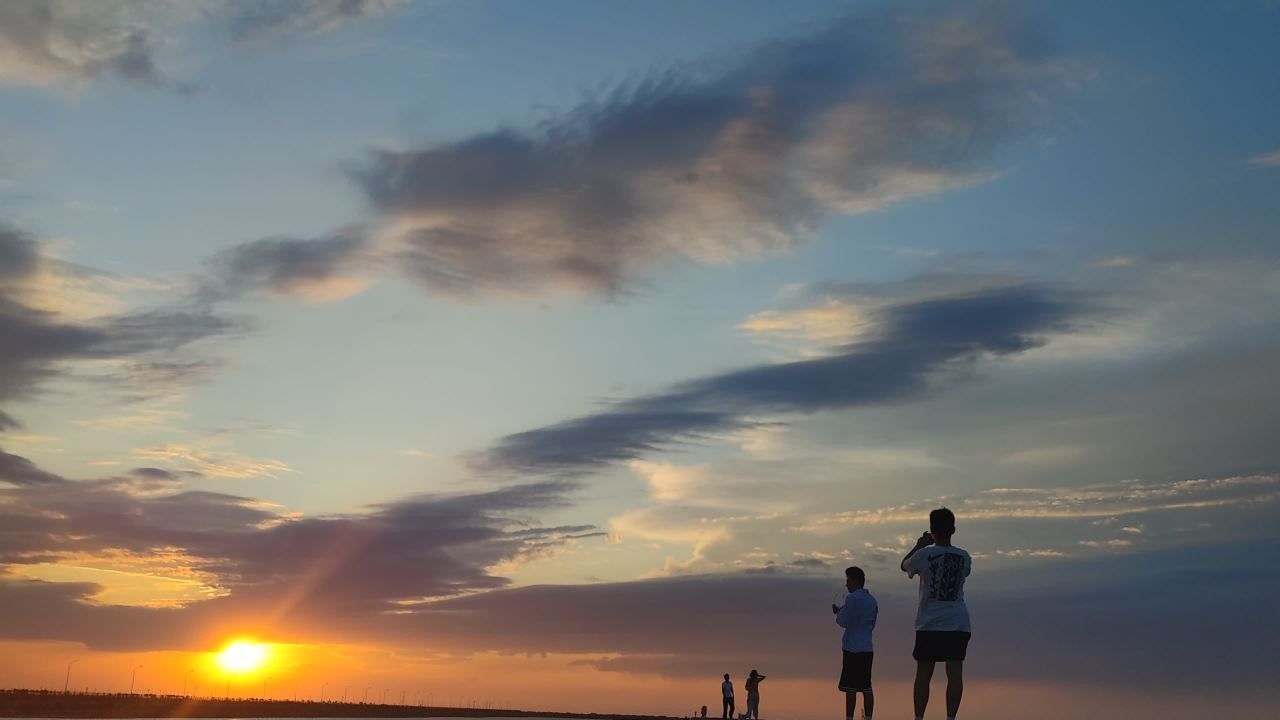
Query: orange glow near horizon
x=243, y=657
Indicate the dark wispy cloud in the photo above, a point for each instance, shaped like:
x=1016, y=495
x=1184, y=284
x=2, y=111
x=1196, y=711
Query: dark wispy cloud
x=907, y=344
x=695, y=625
x=388, y=558
x=713, y=163
x=266, y=18
x=320, y=268
x=1103, y=622
x=39, y=343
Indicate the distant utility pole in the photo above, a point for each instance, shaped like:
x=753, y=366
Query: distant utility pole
x=67, y=683
x=185, y=676
x=322, y=687
x=132, y=677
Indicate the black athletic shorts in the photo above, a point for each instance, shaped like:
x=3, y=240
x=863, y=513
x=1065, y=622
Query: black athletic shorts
x=855, y=674
x=940, y=645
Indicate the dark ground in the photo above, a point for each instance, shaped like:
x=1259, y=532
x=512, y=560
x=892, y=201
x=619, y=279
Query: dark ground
x=45, y=704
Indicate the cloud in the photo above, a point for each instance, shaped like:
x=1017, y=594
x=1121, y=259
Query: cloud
x=1271, y=159
x=70, y=43
x=212, y=463
x=316, y=269
x=390, y=557
x=914, y=341
x=64, y=42
x=714, y=163
x=262, y=19
x=408, y=572
x=1105, y=501
x=41, y=342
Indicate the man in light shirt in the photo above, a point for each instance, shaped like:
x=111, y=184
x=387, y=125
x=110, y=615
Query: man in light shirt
x=858, y=618
x=942, y=620
x=726, y=692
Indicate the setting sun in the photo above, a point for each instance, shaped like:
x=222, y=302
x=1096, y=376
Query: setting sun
x=244, y=657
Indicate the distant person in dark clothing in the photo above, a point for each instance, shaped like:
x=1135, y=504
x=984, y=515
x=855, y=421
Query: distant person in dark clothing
x=704, y=712
x=726, y=691
x=753, y=695
x=858, y=618
x=942, y=620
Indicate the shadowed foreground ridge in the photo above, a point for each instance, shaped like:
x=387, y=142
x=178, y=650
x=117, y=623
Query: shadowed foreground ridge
x=45, y=704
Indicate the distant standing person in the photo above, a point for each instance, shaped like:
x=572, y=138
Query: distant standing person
x=942, y=621
x=753, y=695
x=858, y=618
x=726, y=691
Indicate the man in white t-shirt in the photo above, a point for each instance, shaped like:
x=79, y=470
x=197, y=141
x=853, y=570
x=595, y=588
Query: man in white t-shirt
x=726, y=692
x=942, y=620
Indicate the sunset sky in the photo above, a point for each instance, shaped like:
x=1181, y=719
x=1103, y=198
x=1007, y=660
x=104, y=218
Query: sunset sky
x=562, y=354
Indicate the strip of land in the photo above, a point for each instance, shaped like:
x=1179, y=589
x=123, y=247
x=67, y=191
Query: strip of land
x=46, y=704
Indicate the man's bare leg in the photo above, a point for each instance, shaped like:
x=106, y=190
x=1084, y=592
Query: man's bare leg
x=924, y=673
x=955, y=686
x=850, y=704
x=868, y=703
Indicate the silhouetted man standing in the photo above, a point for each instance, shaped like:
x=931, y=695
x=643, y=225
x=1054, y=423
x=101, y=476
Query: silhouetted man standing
x=942, y=621
x=726, y=691
x=858, y=618
x=753, y=695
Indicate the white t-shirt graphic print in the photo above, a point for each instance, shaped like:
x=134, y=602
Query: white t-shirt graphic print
x=942, y=571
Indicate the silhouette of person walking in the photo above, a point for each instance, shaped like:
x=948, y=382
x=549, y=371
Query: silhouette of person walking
x=753, y=695
x=942, y=620
x=858, y=618
x=726, y=692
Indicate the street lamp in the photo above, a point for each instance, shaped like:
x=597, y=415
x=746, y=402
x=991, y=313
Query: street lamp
x=344, y=693
x=384, y=695
x=133, y=676
x=366, y=694
x=264, y=687
x=186, y=675
x=67, y=683
x=322, y=687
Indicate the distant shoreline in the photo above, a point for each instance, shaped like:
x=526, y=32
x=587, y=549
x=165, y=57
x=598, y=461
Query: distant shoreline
x=49, y=704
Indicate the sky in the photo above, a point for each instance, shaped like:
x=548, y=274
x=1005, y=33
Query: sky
x=562, y=355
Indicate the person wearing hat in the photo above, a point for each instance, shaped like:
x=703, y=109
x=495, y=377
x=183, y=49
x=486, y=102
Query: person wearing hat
x=753, y=695
x=942, y=619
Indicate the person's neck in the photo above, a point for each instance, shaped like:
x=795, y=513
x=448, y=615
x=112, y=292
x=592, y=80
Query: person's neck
x=944, y=543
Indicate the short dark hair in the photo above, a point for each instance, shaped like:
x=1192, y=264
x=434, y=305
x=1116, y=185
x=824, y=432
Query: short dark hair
x=855, y=573
x=942, y=522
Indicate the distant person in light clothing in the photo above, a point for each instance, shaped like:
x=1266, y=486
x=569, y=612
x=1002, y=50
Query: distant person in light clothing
x=726, y=692
x=858, y=618
x=942, y=620
x=753, y=695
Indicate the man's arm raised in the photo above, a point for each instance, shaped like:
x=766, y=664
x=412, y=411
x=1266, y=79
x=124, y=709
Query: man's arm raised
x=925, y=541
